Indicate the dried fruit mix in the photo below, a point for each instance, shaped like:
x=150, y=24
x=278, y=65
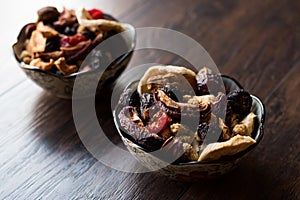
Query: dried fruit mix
x=59, y=41
x=153, y=116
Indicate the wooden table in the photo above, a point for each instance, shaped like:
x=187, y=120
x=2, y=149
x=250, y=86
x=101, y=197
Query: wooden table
x=256, y=42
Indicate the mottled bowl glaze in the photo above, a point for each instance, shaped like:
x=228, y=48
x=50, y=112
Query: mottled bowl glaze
x=62, y=86
x=195, y=171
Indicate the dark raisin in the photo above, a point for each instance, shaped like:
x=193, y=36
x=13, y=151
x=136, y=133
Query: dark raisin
x=151, y=143
x=228, y=115
x=69, y=30
x=202, y=131
x=147, y=100
x=240, y=102
x=52, y=44
x=89, y=34
x=134, y=99
x=48, y=14
x=168, y=90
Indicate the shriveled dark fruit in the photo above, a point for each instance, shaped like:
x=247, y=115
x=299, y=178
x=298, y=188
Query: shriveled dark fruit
x=46, y=56
x=209, y=132
x=207, y=80
x=52, y=44
x=240, y=102
x=202, y=131
x=71, y=30
x=28, y=30
x=89, y=34
x=168, y=91
x=231, y=118
x=146, y=105
x=81, y=54
x=147, y=100
x=48, y=14
x=140, y=134
x=66, y=18
x=228, y=115
x=180, y=110
x=134, y=99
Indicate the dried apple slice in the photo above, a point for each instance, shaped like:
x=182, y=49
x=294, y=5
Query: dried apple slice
x=166, y=75
x=215, y=151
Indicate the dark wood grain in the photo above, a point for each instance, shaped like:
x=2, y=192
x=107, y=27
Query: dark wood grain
x=256, y=42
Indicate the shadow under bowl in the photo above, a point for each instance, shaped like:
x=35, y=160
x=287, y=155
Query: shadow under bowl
x=62, y=86
x=195, y=171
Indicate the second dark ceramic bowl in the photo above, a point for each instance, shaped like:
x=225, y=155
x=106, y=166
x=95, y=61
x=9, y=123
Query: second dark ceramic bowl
x=62, y=86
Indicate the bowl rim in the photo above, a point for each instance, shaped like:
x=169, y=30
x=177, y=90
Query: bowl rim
x=22, y=65
x=223, y=160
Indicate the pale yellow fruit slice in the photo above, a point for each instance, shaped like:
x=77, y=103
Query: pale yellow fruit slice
x=236, y=144
x=163, y=70
x=246, y=126
x=84, y=19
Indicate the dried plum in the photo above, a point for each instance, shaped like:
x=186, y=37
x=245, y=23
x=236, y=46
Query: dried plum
x=52, y=44
x=71, y=30
x=147, y=105
x=169, y=92
x=140, y=134
x=89, y=34
x=240, y=102
x=48, y=14
x=202, y=131
x=81, y=54
x=179, y=110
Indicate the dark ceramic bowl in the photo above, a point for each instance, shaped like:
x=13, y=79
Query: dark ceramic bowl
x=194, y=171
x=62, y=86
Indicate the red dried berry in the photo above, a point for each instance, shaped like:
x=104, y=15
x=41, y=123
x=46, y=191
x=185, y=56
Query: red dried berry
x=159, y=122
x=69, y=41
x=96, y=13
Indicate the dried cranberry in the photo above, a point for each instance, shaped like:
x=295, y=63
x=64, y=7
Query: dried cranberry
x=69, y=41
x=159, y=122
x=96, y=13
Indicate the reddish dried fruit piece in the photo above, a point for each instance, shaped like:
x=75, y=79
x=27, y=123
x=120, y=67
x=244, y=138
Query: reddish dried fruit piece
x=96, y=13
x=69, y=41
x=159, y=122
x=140, y=134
